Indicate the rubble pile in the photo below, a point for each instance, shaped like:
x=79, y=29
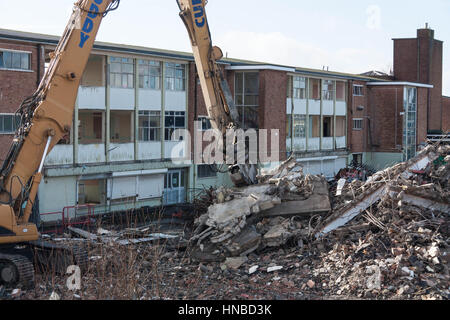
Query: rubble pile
x=386, y=238
x=241, y=221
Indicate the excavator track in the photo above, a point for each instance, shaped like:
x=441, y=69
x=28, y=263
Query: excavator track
x=55, y=258
x=18, y=264
x=14, y=269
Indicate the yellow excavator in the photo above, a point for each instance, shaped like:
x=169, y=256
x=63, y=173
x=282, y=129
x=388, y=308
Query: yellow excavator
x=45, y=118
x=216, y=92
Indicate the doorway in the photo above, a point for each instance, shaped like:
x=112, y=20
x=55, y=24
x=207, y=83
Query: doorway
x=175, y=187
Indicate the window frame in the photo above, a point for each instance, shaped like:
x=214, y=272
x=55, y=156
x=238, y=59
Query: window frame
x=240, y=99
x=112, y=83
x=14, y=123
x=201, y=118
x=148, y=65
x=155, y=130
x=297, y=91
x=327, y=94
x=360, y=87
x=168, y=130
x=170, y=80
x=358, y=120
x=20, y=52
x=206, y=174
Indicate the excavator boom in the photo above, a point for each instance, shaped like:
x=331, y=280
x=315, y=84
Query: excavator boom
x=216, y=92
x=46, y=117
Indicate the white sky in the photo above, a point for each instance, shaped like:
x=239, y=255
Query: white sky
x=349, y=36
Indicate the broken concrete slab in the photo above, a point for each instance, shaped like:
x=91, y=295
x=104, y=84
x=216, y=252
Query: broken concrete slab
x=419, y=201
x=235, y=263
x=277, y=235
x=244, y=243
x=152, y=237
x=315, y=204
x=84, y=234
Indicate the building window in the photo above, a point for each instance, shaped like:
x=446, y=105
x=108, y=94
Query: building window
x=340, y=126
x=206, y=171
x=357, y=159
x=328, y=90
x=173, y=120
x=247, y=98
x=205, y=123
x=175, y=77
x=149, y=126
x=340, y=91
x=92, y=192
x=314, y=89
x=149, y=74
x=9, y=123
x=328, y=130
x=357, y=124
x=121, y=73
x=122, y=126
x=299, y=88
x=314, y=126
x=15, y=60
x=299, y=126
x=410, y=123
x=358, y=90
x=90, y=127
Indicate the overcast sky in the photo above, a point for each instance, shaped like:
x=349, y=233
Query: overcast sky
x=349, y=36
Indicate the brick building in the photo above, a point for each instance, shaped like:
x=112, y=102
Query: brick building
x=132, y=98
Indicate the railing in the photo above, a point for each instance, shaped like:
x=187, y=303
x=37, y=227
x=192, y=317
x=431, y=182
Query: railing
x=71, y=216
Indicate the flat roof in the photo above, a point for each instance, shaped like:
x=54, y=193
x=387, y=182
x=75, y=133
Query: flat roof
x=23, y=36
x=401, y=83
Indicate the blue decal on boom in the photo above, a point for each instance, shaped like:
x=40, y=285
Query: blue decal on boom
x=88, y=25
x=199, y=13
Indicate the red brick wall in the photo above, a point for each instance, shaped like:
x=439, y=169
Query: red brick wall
x=422, y=115
x=272, y=105
x=405, y=59
x=436, y=110
x=15, y=86
x=386, y=123
x=446, y=114
x=357, y=138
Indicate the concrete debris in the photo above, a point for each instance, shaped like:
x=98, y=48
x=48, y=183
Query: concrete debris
x=387, y=238
x=377, y=186
x=235, y=263
x=273, y=269
x=232, y=223
x=253, y=269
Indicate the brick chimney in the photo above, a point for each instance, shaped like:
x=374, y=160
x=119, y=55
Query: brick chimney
x=420, y=60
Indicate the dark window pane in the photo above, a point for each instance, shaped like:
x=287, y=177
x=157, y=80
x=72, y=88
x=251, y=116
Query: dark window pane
x=179, y=122
x=170, y=121
x=251, y=83
x=8, y=124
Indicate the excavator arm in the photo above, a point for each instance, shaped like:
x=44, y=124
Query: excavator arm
x=46, y=117
x=216, y=92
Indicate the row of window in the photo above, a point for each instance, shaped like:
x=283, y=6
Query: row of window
x=91, y=126
x=316, y=89
x=122, y=74
x=298, y=124
x=15, y=60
